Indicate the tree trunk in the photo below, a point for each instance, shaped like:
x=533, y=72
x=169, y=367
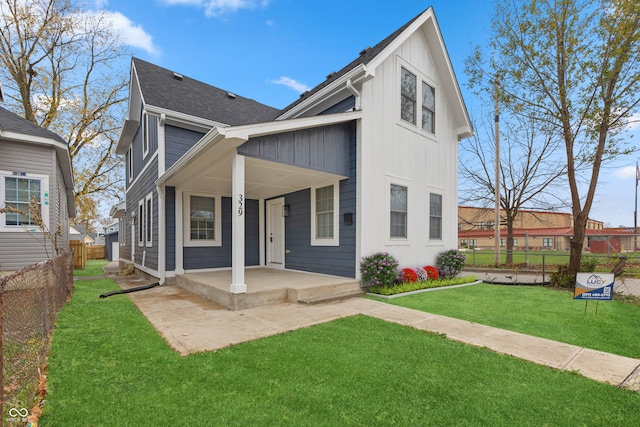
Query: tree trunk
x=509, y=257
x=577, y=243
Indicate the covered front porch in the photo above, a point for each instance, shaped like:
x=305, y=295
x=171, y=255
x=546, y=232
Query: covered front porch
x=269, y=286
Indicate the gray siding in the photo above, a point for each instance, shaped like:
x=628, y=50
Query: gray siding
x=220, y=256
x=19, y=249
x=139, y=159
x=178, y=142
x=338, y=260
x=345, y=105
x=142, y=187
x=324, y=149
x=170, y=228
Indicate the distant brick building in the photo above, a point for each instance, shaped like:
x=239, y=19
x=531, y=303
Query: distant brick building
x=538, y=230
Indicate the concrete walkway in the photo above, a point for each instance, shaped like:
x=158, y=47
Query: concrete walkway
x=192, y=324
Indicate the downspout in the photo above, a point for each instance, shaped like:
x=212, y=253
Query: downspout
x=355, y=93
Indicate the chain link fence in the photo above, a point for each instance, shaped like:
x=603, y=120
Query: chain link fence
x=30, y=301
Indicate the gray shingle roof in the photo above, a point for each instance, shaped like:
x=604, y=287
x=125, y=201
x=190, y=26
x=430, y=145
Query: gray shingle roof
x=365, y=57
x=11, y=122
x=160, y=88
x=189, y=96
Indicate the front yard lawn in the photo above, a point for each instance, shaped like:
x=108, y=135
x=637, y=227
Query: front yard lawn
x=109, y=367
x=539, y=311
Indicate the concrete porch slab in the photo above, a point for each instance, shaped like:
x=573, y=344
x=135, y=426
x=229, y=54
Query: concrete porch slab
x=267, y=286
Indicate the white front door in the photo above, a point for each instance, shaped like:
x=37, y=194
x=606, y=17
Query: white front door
x=275, y=233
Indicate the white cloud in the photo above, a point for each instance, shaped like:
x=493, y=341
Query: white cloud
x=293, y=84
x=219, y=7
x=132, y=35
x=625, y=172
x=634, y=122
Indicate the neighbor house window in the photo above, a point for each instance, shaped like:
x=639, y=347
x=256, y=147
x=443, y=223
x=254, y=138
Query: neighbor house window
x=463, y=242
x=202, y=220
x=435, y=216
x=18, y=192
x=473, y=243
x=149, y=220
x=399, y=210
x=547, y=242
x=502, y=241
x=428, y=108
x=324, y=215
x=408, y=96
x=515, y=242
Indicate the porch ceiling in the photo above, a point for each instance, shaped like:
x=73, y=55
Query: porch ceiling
x=263, y=179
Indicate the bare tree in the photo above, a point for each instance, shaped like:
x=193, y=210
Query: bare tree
x=530, y=172
x=62, y=69
x=574, y=65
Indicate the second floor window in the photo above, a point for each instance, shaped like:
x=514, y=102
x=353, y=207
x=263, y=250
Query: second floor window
x=408, y=96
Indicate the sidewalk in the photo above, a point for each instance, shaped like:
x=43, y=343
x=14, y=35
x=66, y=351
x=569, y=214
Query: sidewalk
x=193, y=324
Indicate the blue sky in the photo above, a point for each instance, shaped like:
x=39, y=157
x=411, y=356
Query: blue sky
x=272, y=50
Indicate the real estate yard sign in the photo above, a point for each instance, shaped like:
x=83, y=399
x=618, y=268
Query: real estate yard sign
x=594, y=286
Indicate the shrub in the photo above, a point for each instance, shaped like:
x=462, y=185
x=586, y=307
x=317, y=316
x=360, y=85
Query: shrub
x=561, y=279
x=589, y=263
x=407, y=275
x=422, y=274
x=432, y=272
x=450, y=263
x=379, y=269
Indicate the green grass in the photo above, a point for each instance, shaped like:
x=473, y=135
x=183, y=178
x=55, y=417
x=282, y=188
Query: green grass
x=539, y=311
x=535, y=257
x=93, y=267
x=108, y=367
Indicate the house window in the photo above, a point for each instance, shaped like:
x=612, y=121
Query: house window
x=435, y=216
x=16, y=191
x=428, y=108
x=141, y=221
x=473, y=243
x=515, y=242
x=463, y=242
x=324, y=215
x=121, y=231
x=502, y=242
x=145, y=134
x=481, y=226
x=203, y=220
x=547, y=242
x=149, y=220
x=130, y=163
x=412, y=90
x=408, y=96
x=398, y=206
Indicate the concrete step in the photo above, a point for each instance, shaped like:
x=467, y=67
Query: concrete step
x=318, y=299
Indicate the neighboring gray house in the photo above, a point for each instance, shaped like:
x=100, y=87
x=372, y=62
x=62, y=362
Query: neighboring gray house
x=34, y=163
x=364, y=162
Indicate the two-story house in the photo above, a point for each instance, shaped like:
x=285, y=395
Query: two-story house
x=364, y=162
x=34, y=164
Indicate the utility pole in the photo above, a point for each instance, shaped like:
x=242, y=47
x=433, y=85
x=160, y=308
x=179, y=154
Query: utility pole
x=496, y=224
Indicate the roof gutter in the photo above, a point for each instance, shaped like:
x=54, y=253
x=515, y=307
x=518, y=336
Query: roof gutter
x=355, y=93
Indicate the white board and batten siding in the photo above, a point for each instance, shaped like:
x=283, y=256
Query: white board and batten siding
x=394, y=151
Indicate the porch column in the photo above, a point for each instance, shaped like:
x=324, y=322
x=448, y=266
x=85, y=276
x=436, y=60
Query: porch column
x=237, y=225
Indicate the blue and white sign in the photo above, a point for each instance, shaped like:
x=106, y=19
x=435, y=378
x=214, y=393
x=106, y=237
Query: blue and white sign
x=594, y=286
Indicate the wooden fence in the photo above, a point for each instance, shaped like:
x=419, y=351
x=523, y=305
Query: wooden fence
x=82, y=252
